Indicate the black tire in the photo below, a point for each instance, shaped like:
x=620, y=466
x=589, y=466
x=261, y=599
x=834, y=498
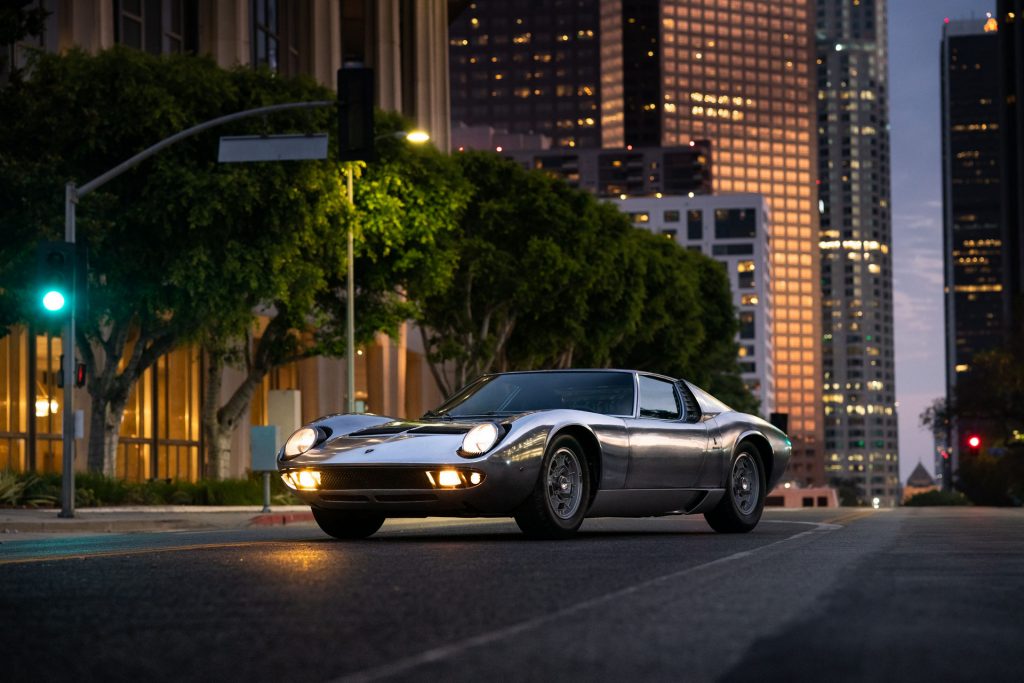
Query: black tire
x=559, y=500
x=347, y=524
x=740, y=509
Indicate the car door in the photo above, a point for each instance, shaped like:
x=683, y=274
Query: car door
x=665, y=449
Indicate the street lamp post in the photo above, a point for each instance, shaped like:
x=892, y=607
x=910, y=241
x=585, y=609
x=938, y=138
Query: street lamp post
x=416, y=137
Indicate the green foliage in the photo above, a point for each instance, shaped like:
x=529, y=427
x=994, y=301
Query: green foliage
x=94, y=490
x=23, y=491
x=186, y=250
x=849, y=492
x=550, y=277
x=931, y=498
x=18, y=20
x=988, y=479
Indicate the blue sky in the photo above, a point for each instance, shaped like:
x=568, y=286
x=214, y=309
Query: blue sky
x=915, y=29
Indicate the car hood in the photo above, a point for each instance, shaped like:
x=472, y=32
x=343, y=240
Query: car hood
x=430, y=441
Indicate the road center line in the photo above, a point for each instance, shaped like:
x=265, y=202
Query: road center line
x=445, y=651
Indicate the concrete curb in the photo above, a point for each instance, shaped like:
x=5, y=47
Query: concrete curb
x=152, y=518
x=281, y=519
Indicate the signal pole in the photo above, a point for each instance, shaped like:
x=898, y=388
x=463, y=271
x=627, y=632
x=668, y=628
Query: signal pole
x=67, y=345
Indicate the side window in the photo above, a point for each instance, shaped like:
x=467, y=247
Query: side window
x=658, y=399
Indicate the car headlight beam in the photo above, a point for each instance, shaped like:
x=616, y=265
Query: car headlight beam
x=479, y=439
x=302, y=480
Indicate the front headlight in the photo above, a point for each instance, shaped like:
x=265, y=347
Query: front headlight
x=479, y=439
x=300, y=442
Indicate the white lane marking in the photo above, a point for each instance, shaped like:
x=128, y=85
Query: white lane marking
x=445, y=651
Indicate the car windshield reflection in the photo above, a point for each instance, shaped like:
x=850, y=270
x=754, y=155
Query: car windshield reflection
x=608, y=393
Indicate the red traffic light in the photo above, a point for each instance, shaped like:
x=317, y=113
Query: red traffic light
x=974, y=441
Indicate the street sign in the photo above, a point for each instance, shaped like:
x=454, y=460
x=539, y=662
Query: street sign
x=264, y=448
x=245, y=148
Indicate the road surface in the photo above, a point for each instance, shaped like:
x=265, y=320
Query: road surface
x=831, y=595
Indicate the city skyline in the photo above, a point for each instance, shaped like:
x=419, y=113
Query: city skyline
x=915, y=34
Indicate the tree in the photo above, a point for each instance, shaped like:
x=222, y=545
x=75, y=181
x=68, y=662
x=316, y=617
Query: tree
x=549, y=277
x=404, y=203
x=534, y=258
x=688, y=322
x=18, y=20
x=164, y=259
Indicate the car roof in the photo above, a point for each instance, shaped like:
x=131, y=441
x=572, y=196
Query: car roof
x=623, y=370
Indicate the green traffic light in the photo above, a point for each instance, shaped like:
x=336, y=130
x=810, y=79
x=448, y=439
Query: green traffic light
x=53, y=300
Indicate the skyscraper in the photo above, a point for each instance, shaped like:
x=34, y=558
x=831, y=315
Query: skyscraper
x=616, y=73
x=856, y=234
x=1010, y=21
x=972, y=228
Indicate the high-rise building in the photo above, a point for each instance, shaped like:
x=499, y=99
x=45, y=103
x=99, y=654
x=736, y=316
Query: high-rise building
x=858, y=372
x=1010, y=22
x=626, y=172
x=642, y=72
x=972, y=228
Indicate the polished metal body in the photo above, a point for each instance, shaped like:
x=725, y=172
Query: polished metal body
x=639, y=466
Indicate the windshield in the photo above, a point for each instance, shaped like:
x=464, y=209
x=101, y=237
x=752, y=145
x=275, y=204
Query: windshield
x=609, y=393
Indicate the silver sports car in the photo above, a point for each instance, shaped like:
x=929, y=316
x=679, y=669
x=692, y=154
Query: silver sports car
x=548, y=448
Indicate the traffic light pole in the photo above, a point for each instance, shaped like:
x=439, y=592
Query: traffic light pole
x=67, y=345
x=72, y=193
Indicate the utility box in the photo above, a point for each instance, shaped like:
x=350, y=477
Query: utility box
x=264, y=448
x=284, y=411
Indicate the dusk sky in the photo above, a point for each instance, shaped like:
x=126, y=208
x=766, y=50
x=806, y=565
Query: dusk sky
x=915, y=29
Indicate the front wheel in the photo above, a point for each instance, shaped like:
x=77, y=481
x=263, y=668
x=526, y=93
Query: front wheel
x=740, y=509
x=347, y=524
x=559, y=500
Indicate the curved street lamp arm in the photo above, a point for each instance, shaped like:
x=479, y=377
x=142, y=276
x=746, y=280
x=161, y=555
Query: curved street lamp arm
x=189, y=132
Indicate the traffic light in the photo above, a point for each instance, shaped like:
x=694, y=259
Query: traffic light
x=355, y=114
x=974, y=444
x=55, y=276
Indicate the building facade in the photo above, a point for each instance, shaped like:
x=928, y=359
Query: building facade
x=667, y=72
x=733, y=229
x=858, y=368
x=407, y=44
x=1010, y=21
x=644, y=171
x=973, y=234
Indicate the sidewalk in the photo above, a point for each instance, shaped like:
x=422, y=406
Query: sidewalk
x=148, y=518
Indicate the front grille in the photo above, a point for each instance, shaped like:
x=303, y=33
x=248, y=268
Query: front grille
x=381, y=430
x=440, y=429
x=344, y=478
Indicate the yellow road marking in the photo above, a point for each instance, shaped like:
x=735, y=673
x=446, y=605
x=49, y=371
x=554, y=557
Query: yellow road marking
x=850, y=517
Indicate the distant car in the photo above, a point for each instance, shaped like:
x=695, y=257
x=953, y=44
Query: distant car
x=548, y=448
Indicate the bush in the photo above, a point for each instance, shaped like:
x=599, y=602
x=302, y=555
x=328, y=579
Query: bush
x=929, y=498
x=989, y=480
x=93, y=490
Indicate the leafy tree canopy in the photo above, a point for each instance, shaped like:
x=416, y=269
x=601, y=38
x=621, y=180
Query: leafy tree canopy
x=549, y=277
x=183, y=248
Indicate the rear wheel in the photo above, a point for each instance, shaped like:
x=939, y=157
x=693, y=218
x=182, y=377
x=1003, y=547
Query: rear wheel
x=740, y=509
x=347, y=524
x=556, y=507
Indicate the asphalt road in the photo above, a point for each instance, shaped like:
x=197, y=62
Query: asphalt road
x=847, y=595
